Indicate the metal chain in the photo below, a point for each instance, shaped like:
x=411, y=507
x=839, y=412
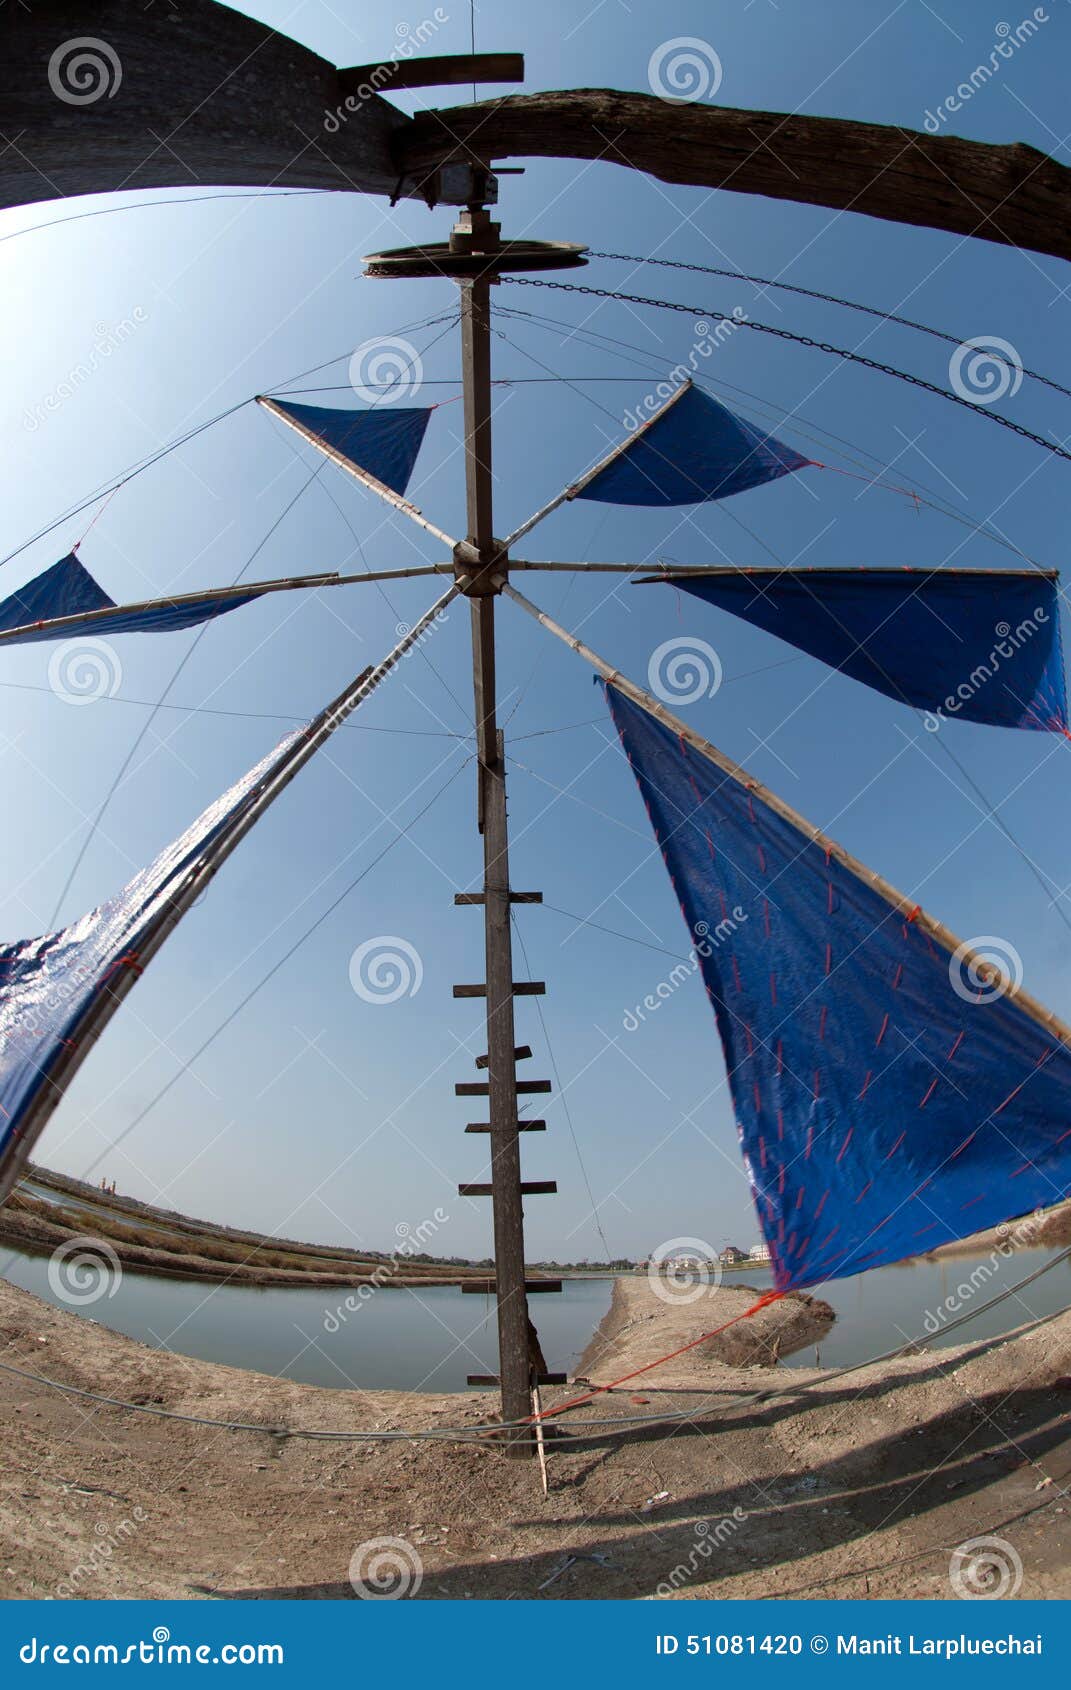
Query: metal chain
x=798, y=340
x=832, y=299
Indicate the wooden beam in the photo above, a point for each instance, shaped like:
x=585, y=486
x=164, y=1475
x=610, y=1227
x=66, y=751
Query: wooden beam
x=522, y=1127
x=190, y=95
x=489, y=1380
x=489, y=1287
x=521, y=1054
x=482, y=1088
x=514, y=897
x=1011, y=194
x=528, y=1188
x=431, y=70
x=521, y=989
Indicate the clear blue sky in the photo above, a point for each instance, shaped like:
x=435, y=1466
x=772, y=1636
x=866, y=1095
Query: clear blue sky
x=318, y=1114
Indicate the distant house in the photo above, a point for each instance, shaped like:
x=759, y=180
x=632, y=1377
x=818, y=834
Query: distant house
x=759, y=1253
x=731, y=1256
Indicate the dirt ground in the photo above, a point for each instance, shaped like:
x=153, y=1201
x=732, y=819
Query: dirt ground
x=862, y=1488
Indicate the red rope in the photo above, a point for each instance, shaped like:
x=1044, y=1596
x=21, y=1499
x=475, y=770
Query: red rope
x=576, y=1402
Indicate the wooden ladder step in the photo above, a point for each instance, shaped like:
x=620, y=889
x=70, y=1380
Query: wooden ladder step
x=529, y=1188
x=489, y=1287
x=522, y=1127
x=482, y=1088
x=521, y=1053
x=514, y=897
x=521, y=989
x=489, y=1381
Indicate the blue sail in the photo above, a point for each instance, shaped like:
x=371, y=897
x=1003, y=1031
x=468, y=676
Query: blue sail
x=384, y=441
x=48, y=985
x=695, y=451
x=978, y=645
x=63, y=590
x=890, y=1095
x=163, y=616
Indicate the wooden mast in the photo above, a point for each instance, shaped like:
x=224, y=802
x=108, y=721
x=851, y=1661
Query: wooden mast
x=483, y=575
x=474, y=257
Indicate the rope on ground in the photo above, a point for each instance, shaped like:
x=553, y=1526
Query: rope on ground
x=599, y=1390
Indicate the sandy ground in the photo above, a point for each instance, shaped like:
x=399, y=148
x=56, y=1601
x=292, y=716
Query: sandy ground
x=862, y=1488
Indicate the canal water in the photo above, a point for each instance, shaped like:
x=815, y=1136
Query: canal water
x=430, y=1339
x=406, y=1340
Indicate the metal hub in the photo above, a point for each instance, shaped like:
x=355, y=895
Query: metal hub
x=440, y=259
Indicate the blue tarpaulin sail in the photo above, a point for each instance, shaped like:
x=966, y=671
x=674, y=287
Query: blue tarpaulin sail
x=64, y=590
x=978, y=644
x=890, y=1094
x=163, y=616
x=49, y=985
x=695, y=451
x=383, y=442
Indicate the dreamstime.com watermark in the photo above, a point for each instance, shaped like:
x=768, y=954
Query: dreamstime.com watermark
x=684, y=70
x=707, y=340
x=33, y=1019
x=1007, y=641
x=1007, y=44
x=385, y=1569
x=157, y=1652
x=84, y=1270
x=404, y=629
x=710, y=1536
x=84, y=70
x=106, y=343
x=386, y=968
x=985, y=369
x=107, y=1540
x=386, y=369
x=1012, y=1237
x=409, y=640
x=82, y=671
x=412, y=1242
x=707, y=941
x=683, y=670
x=382, y=75
x=985, y=1569
x=682, y=1270
x=985, y=968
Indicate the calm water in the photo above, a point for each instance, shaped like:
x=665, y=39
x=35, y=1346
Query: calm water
x=430, y=1339
x=426, y=1340
x=876, y=1311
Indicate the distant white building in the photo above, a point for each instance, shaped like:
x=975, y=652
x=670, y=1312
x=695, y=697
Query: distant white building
x=759, y=1253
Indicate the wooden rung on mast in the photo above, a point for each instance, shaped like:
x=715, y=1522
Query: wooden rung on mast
x=521, y=1053
x=521, y=989
x=514, y=897
x=482, y=1088
x=488, y=1381
x=522, y=1127
x=489, y=1287
x=529, y=1188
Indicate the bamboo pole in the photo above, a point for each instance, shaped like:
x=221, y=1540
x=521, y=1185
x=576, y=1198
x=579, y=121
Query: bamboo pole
x=57, y=625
